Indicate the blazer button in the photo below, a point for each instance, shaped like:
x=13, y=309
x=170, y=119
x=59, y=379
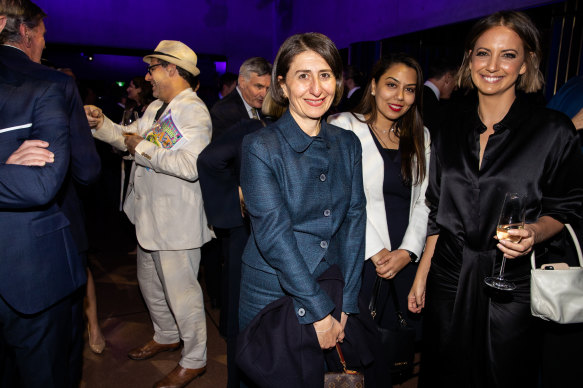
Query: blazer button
x=324, y=244
x=327, y=213
x=301, y=312
x=323, y=177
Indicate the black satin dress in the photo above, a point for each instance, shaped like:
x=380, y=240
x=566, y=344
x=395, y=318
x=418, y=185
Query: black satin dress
x=475, y=336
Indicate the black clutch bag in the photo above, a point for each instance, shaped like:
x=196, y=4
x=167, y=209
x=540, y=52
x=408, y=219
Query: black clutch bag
x=398, y=342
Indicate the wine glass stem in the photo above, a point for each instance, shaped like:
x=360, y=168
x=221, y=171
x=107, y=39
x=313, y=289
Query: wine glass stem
x=501, y=276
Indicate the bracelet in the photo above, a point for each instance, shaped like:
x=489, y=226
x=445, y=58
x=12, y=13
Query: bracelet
x=328, y=329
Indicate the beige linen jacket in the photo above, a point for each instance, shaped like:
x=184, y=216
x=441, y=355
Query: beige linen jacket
x=373, y=173
x=164, y=200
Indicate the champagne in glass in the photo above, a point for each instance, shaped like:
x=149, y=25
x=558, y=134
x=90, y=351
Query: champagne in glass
x=502, y=232
x=129, y=116
x=511, y=217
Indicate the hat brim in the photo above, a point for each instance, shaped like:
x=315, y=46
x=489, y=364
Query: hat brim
x=192, y=69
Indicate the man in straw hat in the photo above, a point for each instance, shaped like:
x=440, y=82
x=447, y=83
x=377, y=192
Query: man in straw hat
x=165, y=203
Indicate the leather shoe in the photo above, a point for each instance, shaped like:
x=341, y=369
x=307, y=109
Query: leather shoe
x=180, y=377
x=150, y=349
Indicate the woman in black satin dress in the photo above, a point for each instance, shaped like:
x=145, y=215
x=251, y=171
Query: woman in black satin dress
x=476, y=336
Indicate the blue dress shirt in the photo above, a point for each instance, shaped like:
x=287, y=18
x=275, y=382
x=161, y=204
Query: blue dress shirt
x=306, y=201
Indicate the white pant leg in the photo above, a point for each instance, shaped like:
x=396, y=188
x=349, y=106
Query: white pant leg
x=178, y=271
x=165, y=329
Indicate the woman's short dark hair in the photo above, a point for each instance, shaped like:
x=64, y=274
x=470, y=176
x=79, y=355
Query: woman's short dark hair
x=409, y=126
x=532, y=80
x=297, y=44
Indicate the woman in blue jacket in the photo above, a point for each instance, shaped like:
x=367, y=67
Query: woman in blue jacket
x=302, y=183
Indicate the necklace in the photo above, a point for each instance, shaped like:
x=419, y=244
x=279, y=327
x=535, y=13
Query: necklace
x=384, y=131
x=376, y=133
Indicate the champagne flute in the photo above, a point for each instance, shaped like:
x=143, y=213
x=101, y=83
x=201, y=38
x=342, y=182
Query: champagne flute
x=129, y=116
x=511, y=217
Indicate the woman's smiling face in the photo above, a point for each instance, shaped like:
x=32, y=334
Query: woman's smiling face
x=310, y=87
x=395, y=92
x=496, y=61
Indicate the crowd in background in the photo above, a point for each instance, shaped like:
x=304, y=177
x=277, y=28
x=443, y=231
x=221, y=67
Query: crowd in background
x=311, y=193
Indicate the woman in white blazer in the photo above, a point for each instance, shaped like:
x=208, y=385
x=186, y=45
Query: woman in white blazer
x=395, y=162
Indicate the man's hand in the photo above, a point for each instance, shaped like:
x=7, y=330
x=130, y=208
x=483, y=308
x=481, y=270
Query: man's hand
x=94, y=116
x=32, y=153
x=131, y=141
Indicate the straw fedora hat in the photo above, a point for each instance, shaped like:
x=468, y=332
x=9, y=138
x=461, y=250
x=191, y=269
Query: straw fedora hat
x=175, y=52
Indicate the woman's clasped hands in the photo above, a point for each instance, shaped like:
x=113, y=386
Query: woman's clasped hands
x=329, y=331
x=389, y=263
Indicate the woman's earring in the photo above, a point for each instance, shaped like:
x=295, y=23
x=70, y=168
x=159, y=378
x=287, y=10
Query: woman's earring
x=372, y=93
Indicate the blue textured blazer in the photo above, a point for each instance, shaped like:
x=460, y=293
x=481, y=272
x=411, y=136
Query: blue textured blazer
x=306, y=201
x=39, y=263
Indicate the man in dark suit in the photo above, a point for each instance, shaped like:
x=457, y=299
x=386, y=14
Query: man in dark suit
x=246, y=100
x=226, y=84
x=242, y=103
x=353, y=81
x=22, y=53
x=221, y=200
x=41, y=264
x=438, y=87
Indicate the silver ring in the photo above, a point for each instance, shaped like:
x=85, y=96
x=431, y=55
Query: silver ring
x=390, y=274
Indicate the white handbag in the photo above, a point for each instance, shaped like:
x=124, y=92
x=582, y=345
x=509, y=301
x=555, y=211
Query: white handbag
x=557, y=295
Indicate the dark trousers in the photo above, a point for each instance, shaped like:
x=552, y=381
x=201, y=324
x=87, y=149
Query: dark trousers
x=234, y=241
x=35, y=349
x=77, y=343
x=212, y=262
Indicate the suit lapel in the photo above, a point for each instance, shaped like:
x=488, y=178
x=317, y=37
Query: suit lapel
x=238, y=102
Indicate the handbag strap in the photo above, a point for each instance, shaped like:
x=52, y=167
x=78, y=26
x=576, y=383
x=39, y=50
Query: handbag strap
x=376, y=293
x=347, y=371
x=400, y=316
x=575, y=242
x=372, y=306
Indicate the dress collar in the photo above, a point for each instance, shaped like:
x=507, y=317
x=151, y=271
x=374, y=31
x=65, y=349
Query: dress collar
x=298, y=140
x=517, y=113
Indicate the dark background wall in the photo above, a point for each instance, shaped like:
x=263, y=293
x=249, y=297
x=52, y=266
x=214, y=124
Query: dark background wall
x=105, y=39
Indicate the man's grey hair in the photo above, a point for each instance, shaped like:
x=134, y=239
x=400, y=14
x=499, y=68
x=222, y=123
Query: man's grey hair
x=257, y=65
x=19, y=12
